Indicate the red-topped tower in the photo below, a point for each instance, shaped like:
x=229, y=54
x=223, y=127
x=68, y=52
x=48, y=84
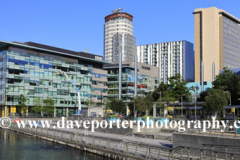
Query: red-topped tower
x=115, y=23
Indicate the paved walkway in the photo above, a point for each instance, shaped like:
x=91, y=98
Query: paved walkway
x=147, y=141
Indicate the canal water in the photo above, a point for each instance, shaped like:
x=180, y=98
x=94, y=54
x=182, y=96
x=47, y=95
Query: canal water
x=15, y=146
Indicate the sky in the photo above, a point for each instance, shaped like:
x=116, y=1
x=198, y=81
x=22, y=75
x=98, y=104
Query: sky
x=79, y=24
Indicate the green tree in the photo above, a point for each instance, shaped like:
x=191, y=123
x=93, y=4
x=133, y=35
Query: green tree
x=215, y=100
x=139, y=105
x=90, y=103
x=22, y=104
x=131, y=105
x=142, y=104
x=106, y=103
x=37, y=108
x=48, y=105
x=228, y=81
x=175, y=87
x=148, y=103
x=202, y=96
x=161, y=88
x=117, y=105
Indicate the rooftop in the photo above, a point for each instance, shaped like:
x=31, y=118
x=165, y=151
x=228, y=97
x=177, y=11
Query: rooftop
x=55, y=50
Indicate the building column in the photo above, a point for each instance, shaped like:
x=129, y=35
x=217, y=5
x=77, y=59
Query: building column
x=54, y=112
x=27, y=111
x=5, y=111
x=165, y=112
x=154, y=110
x=127, y=110
x=67, y=112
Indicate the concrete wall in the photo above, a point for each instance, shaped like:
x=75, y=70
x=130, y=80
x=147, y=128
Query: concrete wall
x=189, y=140
x=153, y=72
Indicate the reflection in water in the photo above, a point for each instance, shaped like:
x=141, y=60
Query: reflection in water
x=21, y=147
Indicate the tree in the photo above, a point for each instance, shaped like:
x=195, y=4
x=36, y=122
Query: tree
x=37, y=108
x=142, y=104
x=165, y=101
x=89, y=103
x=117, y=105
x=175, y=87
x=202, y=96
x=228, y=81
x=139, y=105
x=161, y=88
x=131, y=105
x=22, y=104
x=107, y=103
x=48, y=105
x=148, y=103
x=215, y=100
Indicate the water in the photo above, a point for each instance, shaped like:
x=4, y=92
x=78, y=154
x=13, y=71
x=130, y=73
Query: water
x=15, y=146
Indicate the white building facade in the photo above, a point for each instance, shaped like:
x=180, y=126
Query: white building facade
x=179, y=58
x=116, y=23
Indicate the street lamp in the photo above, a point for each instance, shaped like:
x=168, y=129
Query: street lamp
x=182, y=105
x=194, y=89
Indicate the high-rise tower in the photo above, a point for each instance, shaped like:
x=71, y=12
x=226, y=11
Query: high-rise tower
x=118, y=23
x=170, y=57
x=216, y=41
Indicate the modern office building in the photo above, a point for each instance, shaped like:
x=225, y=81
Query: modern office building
x=127, y=50
x=179, y=58
x=216, y=41
x=99, y=85
x=147, y=80
x=32, y=69
x=117, y=23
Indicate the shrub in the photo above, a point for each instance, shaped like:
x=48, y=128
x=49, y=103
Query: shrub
x=112, y=116
x=145, y=117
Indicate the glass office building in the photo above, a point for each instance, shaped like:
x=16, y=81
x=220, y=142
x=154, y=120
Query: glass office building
x=148, y=80
x=32, y=69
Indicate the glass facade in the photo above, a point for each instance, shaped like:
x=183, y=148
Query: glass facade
x=146, y=83
x=231, y=57
x=99, y=87
x=35, y=75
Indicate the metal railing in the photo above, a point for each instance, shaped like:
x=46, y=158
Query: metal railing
x=124, y=146
x=187, y=153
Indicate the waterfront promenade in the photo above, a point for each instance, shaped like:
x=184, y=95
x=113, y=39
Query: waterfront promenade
x=110, y=145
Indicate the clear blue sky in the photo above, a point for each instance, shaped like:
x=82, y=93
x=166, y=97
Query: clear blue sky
x=79, y=24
